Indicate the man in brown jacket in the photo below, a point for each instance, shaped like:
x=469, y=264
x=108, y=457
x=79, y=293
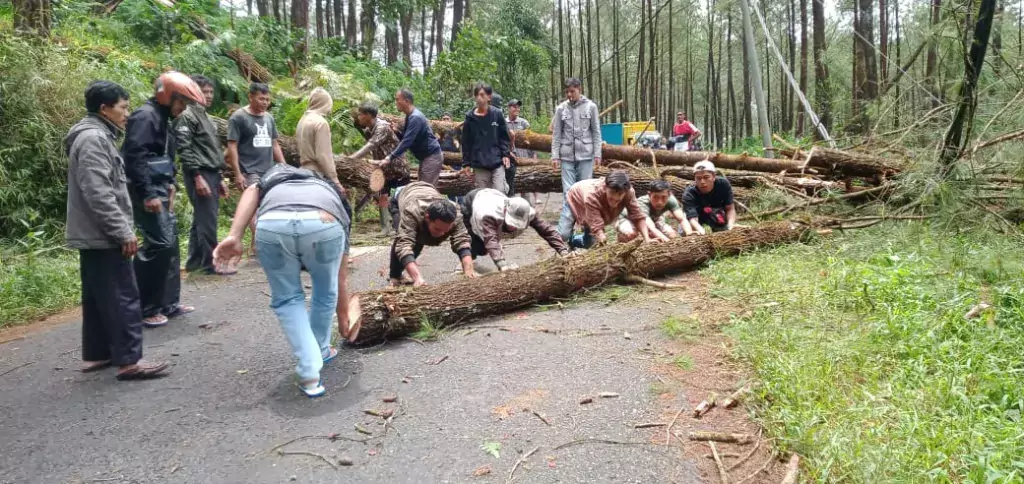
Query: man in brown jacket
x=426, y=218
x=597, y=202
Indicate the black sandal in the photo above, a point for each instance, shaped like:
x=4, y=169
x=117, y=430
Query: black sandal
x=144, y=373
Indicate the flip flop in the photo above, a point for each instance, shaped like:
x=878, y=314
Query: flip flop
x=144, y=373
x=181, y=310
x=160, y=320
x=332, y=353
x=317, y=391
x=97, y=366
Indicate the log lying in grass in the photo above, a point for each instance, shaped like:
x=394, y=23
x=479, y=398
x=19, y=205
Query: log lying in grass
x=393, y=312
x=840, y=162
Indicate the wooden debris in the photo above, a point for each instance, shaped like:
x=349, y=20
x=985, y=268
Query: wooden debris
x=482, y=471
x=439, y=360
x=390, y=399
x=704, y=436
x=608, y=395
x=541, y=417
x=722, y=474
x=735, y=398
x=519, y=462
x=704, y=407
x=649, y=425
x=587, y=400
x=792, y=470
x=976, y=310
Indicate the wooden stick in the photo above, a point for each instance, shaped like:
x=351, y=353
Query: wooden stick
x=749, y=454
x=792, y=470
x=649, y=425
x=520, y=461
x=722, y=474
x=311, y=454
x=704, y=407
x=611, y=108
x=702, y=435
x=647, y=282
x=767, y=463
x=734, y=399
x=668, y=431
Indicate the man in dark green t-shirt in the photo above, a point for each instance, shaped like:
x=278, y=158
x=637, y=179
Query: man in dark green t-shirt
x=656, y=205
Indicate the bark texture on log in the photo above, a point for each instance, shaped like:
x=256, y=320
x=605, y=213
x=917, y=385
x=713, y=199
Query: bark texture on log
x=851, y=165
x=394, y=312
x=455, y=158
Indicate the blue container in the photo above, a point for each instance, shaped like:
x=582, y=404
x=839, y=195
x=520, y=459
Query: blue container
x=612, y=133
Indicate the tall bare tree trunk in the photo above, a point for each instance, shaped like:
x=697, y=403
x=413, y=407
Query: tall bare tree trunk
x=617, y=66
x=866, y=82
x=406, y=26
x=899, y=63
x=391, y=41
x=748, y=113
x=351, y=25
x=300, y=22
x=822, y=94
x=956, y=139
x=263, y=9
x=883, y=41
x=593, y=86
x=439, y=11
x=561, y=44
x=32, y=17
x=803, y=67
x=931, y=60
x=339, y=18
x=423, y=38
x=603, y=95
x=734, y=124
x=639, y=91
x=368, y=27
x=997, y=36
x=319, y=19
x=568, y=40
x=652, y=72
x=457, y=6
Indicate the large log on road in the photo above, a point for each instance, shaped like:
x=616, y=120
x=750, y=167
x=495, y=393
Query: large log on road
x=846, y=162
x=394, y=312
x=853, y=166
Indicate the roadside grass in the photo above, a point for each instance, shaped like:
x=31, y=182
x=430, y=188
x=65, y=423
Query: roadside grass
x=36, y=282
x=428, y=331
x=685, y=328
x=870, y=370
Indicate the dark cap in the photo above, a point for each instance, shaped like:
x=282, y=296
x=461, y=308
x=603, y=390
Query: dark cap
x=514, y=102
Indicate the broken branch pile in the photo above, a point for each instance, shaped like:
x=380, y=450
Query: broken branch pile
x=392, y=312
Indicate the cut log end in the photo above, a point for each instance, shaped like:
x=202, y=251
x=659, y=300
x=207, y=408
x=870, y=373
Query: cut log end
x=355, y=317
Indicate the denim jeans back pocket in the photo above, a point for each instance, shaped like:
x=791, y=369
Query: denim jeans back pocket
x=329, y=249
x=270, y=253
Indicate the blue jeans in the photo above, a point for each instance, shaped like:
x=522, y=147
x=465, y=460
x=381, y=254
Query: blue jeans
x=566, y=223
x=284, y=246
x=574, y=171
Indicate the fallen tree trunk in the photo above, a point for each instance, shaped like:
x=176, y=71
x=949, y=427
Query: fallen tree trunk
x=455, y=158
x=248, y=66
x=393, y=312
x=840, y=162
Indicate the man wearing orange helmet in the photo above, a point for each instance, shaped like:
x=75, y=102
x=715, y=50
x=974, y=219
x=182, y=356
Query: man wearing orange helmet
x=148, y=153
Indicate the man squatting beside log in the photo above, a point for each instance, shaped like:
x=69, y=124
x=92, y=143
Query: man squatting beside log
x=709, y=200
x=597, y=202
x=656, y=205
x=426, y=218
x=488, y=214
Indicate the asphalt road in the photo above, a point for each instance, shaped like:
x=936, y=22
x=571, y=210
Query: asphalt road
x=230, y=399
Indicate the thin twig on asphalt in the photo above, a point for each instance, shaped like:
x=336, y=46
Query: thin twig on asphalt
x=16, y=368
x=311, y=454
x=668, y=431
x=599, y=441
x=520, y=461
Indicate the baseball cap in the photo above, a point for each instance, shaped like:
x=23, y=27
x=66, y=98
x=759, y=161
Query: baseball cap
x=518, y=213
x=514, y=102
x=704, y=166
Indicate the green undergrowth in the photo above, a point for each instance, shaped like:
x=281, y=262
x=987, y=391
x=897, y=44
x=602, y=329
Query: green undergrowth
x=870, y=370
x=38, y=277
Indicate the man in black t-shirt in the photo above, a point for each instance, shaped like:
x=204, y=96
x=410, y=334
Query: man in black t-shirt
x=709, y=200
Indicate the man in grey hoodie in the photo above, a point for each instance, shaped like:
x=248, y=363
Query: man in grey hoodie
x=100, y=226
x=575, y=136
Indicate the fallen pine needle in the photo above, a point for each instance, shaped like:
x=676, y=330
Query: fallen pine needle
x=599, y=441
x=520, y=461
x=541, y=417
x=649, y=425
x=16, y=368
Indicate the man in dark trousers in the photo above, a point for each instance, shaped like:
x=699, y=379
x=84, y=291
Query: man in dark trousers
x=418, y=138
x=426, y=218
x=100, y=227
x=486, y=144
x=202, y=163
x=489, y=214
x=148, y=153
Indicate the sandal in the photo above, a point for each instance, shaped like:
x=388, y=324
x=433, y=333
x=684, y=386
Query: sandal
x=180, y=310
x=155, y=321
x=95, y=366
x=332, y=353
x=317, y=390
x=143, y=371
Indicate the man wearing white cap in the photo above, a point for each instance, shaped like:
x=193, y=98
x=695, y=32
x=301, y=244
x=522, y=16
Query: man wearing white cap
x=489, y=214
x=709, y=200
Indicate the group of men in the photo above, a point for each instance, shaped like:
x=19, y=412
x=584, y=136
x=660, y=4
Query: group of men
x=113, y=192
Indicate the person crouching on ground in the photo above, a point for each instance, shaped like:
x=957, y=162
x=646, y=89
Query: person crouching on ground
x=656, y=206
x=301, y=221
x=100, y=227
x=488, y=214
x=426, y=218
x=709, y=200
x=597, y=202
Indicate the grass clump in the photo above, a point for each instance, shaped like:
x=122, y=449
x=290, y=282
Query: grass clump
x=870, y=370
x=683, y=362
x=36, y=281
x=684, y=328
x=428, y=331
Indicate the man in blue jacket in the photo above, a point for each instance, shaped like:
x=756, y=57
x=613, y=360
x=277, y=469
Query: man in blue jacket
x=148, y=153
x=486, y=144
x=418, y=138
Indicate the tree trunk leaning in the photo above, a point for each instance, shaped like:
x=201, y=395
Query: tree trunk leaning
x=394, y=312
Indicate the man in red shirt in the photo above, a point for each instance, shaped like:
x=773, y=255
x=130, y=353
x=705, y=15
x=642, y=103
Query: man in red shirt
x=684, y=133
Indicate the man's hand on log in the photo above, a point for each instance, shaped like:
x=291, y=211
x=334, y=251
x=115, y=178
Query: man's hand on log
x=554, y=163
x=240, y=182
x=419, y=282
